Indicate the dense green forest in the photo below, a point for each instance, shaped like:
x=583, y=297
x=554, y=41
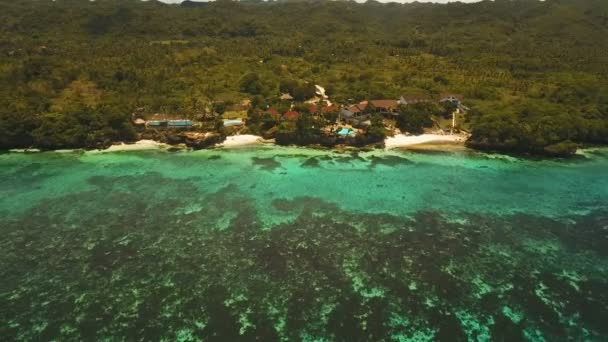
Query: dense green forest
x=535, y=74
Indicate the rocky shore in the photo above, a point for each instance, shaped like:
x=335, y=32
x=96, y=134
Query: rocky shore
x=179, y=140
x=194, y=140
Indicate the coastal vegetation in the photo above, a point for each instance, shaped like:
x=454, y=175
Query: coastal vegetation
x=414, y=118
x=73, y=73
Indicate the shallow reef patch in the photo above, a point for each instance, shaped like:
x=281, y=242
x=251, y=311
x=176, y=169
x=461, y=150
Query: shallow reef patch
x=266, y=164
x=141, y=273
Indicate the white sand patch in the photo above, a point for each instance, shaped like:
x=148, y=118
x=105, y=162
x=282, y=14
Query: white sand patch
x=401, y=140
x=241, y=140
x=137, y=146
x=24, y=150
x=590, y=151
x=67, y=151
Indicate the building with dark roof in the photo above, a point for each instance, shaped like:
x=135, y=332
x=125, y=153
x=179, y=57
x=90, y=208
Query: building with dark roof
x=291, y=115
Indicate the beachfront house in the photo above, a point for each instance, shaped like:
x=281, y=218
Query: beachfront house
x=354, y=113
x=292, y=115
x=387, y=108
x=455, y=99
x=347, y=115
x=314, y=109
x=330, y=109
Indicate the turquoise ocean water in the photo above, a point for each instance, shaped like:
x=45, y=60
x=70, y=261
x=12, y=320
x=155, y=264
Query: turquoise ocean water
x=293, y=244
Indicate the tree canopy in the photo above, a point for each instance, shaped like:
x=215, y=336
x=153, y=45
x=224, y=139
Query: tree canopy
x=534, y=72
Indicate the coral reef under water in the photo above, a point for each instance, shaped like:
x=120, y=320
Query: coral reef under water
x=199, y=247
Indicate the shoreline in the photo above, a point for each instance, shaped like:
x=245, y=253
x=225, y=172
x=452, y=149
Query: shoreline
x=450, y=143
x=435, y=146
x=418, y=142
x=140, y=145
x=232, y=141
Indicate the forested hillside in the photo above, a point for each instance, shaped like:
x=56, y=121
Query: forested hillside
x=535, y=74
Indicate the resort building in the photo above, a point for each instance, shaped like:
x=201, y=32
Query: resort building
x=456, y=99
x=274, y=113
x=291, y=115
x=385, y=106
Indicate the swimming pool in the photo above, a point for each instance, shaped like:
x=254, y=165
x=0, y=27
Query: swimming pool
x=179, y=123
x=346, y=132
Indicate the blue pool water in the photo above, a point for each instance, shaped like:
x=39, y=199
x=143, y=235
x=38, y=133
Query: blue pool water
x=346, y=132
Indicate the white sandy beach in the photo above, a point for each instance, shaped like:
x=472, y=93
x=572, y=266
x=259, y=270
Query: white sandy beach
x=24, y=150
x=241, y=140
x=137, y=146
x=402, y=140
